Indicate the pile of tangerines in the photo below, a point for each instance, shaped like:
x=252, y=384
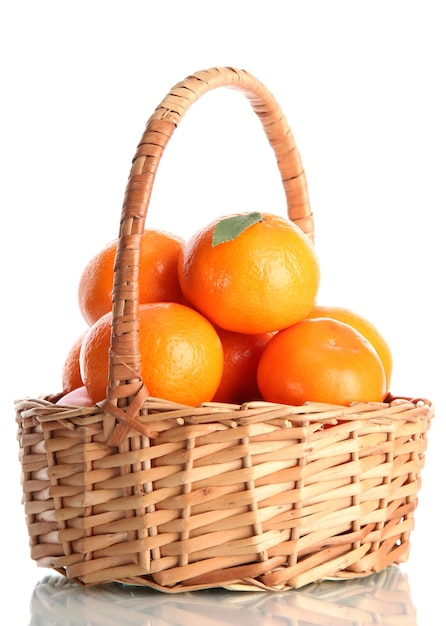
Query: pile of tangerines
x=230, y=315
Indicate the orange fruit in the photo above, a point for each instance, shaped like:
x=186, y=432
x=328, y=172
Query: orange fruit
x=71, y=373
x=261, y=280
x=158, y=280
x=320, y=360
x=76, y=397
x=241, y=357
x=181, y=353
x=363, y=326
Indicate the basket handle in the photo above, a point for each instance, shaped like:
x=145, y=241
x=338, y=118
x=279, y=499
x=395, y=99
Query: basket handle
x=126, y=392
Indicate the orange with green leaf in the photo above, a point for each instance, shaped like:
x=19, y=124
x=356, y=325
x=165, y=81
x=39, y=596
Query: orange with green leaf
x=250, y=273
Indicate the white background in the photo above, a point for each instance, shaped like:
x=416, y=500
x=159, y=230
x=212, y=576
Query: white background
x=362, y=84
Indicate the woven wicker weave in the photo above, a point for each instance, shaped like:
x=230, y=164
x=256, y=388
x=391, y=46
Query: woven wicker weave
x=144, y=491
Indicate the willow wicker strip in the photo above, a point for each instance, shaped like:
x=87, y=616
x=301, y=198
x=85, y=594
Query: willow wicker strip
x=144, y=491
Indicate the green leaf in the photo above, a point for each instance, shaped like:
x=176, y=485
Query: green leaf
x=231, y=227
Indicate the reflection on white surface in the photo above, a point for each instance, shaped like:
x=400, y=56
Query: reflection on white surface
x=382, y=598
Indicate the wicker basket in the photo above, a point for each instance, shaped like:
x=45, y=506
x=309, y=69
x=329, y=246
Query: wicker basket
x=143, y=491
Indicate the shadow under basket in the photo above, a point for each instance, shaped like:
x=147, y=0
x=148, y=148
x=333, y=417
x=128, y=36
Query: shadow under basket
x=143, y=491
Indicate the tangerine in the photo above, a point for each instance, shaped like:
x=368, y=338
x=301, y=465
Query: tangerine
x=264, y=279
x=158, y=280
x=181, y=354
x=241, y=357
x=320, y=360
x=71, y=373
x=363, y=326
